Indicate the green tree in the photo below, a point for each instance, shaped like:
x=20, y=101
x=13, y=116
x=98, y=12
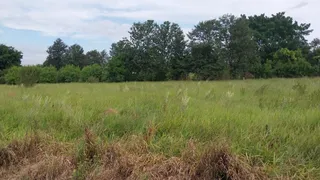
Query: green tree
x=171, y=44
x=243, y=50
x=104, y=57
x=287, y=63
x=75, y=56
x=48, y=75
x=210, y=47
x=124, y=52
x=205, y=62
x=314, y=57
x=91, y=72
x=69, y=73
x=56, y=54
x=146, y=58
x=9, y=57
x=278, y=31
x=96, y=57
x=116, y=71
x=12, y=75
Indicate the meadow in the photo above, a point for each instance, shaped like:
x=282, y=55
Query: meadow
x=240, y=129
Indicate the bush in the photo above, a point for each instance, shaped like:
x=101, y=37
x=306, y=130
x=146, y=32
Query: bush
x=12, y=75
x=48, y=75
x=69, y=73
x=29, y=75
x=91, y=73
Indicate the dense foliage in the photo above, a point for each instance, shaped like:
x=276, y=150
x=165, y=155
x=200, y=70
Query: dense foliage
x=48, y=75
x=69, y=73
x=9, y=57
x=12, y=76
x=91, y=73
x=227, y=47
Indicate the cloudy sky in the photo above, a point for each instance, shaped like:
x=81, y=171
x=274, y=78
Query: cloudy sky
x=32, y=26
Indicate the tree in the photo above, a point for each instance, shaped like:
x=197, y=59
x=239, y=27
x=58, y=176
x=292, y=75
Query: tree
x=116, y=71
x=146, y=58
x=315, y=44
x=314, y=57
x=104, y=57
x=56, y=54
x=288, y=63
x=75, y=56
x=278, y=31
x=214, y=63
x=9, y=57
x=171, y=44
x=206, y=63
x=123, y=54
x=242, y=50
x=96, y=57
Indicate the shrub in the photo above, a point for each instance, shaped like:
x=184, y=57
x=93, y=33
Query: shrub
x=69, y=73
x=13, y=75
x=29, y=75
x=91, y=73
x=48, y=75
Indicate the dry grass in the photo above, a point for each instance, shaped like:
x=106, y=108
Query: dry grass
x=40, y=158
x=35, y=157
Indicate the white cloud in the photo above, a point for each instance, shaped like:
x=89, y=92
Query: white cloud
x=32, y=54
x=94, y=19
x=89, y=18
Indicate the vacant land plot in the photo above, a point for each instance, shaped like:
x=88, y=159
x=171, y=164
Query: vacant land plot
x=255, y=129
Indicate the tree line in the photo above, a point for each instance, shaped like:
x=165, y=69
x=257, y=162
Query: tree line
x=227, y=47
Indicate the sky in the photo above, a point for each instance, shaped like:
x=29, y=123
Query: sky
x=32, y=26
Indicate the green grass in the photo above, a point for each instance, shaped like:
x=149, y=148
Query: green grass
x=276, y=121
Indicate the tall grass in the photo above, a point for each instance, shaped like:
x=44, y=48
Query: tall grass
x=276, y=122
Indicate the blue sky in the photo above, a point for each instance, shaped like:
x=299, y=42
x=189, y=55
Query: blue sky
x=32, y=26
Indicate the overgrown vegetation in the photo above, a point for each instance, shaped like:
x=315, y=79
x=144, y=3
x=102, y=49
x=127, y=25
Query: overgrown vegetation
x=252, y=129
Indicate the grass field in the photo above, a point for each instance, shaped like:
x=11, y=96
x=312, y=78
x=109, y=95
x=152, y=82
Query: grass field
x=253, y=129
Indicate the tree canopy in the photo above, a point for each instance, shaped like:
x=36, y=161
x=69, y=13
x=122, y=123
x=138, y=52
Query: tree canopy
x=9, y=57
